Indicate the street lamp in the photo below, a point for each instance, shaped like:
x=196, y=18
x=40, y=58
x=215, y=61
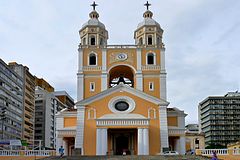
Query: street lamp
x=2, y=118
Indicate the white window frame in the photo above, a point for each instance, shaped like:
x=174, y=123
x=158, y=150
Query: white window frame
x=89, y=59
x=154, y=58
x=149, y=86
x=92, y=86
x=149, y=113
x=93, y=110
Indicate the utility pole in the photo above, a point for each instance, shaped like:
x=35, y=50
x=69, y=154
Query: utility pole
x=2, y=118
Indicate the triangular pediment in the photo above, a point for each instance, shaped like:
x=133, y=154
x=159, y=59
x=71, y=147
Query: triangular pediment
x=123, y=88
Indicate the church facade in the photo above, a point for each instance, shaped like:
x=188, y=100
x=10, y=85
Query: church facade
x=122, y=105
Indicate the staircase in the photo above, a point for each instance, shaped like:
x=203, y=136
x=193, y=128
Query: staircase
x=134, y=157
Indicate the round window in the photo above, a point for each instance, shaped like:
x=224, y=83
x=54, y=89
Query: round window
x=121, y=106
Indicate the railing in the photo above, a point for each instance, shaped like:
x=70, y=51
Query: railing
x=217, y=151
x=151, y=67
x=27, y=153
x=236, y=151
x=92, y=68
x=122, y=122
x=172, y=131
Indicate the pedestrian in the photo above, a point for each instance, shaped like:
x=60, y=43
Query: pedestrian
x=61, y=151
x=214, y=157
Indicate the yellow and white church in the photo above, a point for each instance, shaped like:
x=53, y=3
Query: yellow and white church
x=122, y=105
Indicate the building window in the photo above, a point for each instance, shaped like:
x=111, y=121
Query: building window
x=101, y=41
x=92, y=59
x=92, y=86
x=92, y=40
x=150, y=40
x=150, y=59
x=91, y=113
x=152, y=113
x=140, y=41
x=151, y=86
x=84, y=41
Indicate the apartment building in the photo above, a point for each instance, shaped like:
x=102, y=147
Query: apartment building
x=28, y=100
x=219, y=119
x=11, y=103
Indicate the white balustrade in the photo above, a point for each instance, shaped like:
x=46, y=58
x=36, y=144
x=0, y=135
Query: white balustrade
x=27, y=152
x=176, y=131
x=211, y=151
x=151, y=67
x=122, y=122
x=92, y=68
x=236, y=151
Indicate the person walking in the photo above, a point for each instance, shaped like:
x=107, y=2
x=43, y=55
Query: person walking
x=61, y=151
x=214, y=157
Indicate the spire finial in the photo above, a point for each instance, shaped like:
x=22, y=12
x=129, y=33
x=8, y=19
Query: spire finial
x=147, y=5
x=94, y=5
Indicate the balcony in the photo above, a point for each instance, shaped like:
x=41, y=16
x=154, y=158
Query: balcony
x=92, y=68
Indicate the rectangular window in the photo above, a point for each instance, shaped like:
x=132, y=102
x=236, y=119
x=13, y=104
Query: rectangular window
x=151, y=86
x=92, y=86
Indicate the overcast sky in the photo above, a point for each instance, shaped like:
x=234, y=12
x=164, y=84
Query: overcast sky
x=202, y=39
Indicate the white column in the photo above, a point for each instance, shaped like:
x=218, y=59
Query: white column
x=139, y=81
x=59, y=143
x=80, y=86
x=80, y=60
x=101, y=138
x=177, y=145
x=140, y=141
x=80, y=128
x=104, y=141
x=139, y=59
x=99, y=142
x=163, y=127
x=65, y=146
x=162, y=59
x=163, y=86
x=146, y=141
x=104, y=84
x=182, y=144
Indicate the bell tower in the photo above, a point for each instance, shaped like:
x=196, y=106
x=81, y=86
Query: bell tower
x=93, y=32
x=148, y=32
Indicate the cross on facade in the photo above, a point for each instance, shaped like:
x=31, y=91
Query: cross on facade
x=94, y=5
x=147, y=4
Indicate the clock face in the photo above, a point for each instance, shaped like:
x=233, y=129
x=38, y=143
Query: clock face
x=122, y=56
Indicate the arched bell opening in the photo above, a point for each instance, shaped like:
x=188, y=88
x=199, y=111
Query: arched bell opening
x=121, y=74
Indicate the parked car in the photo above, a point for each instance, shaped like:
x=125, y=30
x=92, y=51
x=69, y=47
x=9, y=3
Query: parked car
x=170, y=153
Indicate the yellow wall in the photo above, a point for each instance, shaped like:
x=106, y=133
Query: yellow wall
x=156, y=90
x=102, y=109
x=70, y=121
x=87, y=82
x=172, y=121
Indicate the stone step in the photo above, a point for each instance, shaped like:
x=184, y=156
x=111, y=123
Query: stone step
x=134, y=157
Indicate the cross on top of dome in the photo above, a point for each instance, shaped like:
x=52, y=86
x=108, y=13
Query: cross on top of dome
x=147, y=5
x=94, y=5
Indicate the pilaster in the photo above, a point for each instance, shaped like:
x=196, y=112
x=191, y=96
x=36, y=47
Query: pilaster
x=80, y=128
x=163, y=127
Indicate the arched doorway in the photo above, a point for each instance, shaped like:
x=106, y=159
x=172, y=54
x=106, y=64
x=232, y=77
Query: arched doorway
x=121, y=74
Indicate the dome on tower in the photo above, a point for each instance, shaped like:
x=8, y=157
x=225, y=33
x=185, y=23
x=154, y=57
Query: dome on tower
x=148, y=21
x=93, y=21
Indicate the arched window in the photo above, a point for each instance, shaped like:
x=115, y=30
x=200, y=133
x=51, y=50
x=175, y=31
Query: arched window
x=152, y=113
x=101, y=41
x=84, y=41
x=150, y=59
x=92, y=59
x=92, y=40
x=150, y=40
x=140, y=41
x=91, y=113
